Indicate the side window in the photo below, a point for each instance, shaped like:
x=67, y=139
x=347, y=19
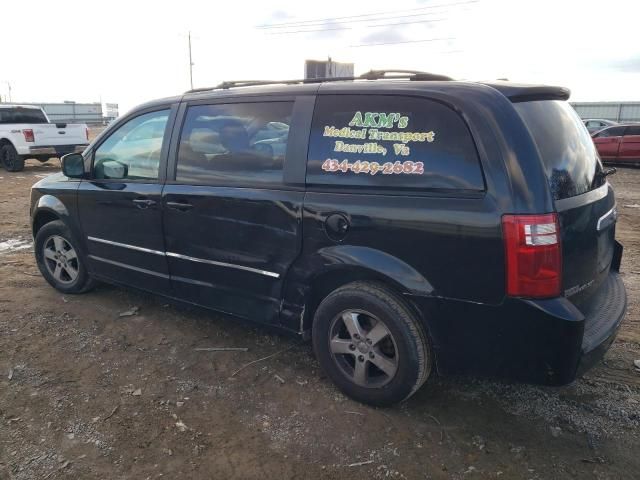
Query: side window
x=395, y=142
x=610, y=132
x=234, y=143
x=133, y=151
x=633, y=130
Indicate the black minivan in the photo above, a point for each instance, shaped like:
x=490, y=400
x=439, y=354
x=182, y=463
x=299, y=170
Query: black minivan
x=405, y=223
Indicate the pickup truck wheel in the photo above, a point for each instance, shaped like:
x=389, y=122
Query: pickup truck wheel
x=371, y=344
x=10, y=159
x=59, y=260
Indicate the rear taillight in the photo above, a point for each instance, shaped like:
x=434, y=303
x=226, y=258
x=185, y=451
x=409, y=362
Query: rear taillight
x=28, y=135
x=86, y=133
x=533, y=255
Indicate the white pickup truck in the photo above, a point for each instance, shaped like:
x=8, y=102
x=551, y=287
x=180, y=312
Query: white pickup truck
x=25, y=132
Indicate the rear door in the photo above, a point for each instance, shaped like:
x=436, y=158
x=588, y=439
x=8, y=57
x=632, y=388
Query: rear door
x=608, y=141
x=120, y=206
x=630, y=146
x=396, y=180
x=232, y=210
x=583, y=198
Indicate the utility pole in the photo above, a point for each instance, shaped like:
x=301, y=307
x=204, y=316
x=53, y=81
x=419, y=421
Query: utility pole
x=9, y=85
x=190, y=63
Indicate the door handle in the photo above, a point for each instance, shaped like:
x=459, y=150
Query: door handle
x=179, y=206
x=144, y=202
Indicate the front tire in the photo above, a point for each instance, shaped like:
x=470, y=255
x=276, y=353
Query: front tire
x=10, y=159
x=371, y=344
x=59, y=259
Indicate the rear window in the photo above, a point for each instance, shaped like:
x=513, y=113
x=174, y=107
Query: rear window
x=22, y=115
x=391, y=142
x=570, y=159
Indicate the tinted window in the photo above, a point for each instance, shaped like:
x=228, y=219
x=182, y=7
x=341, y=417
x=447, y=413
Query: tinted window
x=568, y=154
x=133, y=150
x=234, y=143
x=391, y=141
x=22, y=115
x=610, y=132
x=633, y=130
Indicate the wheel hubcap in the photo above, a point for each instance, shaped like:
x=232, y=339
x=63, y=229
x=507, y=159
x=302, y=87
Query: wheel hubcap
x=61, y=259
x=363, y=348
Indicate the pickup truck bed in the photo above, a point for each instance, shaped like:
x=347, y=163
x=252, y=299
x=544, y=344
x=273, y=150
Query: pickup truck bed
x=25, y=132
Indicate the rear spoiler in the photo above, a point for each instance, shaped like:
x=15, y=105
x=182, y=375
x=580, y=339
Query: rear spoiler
x=526, y=93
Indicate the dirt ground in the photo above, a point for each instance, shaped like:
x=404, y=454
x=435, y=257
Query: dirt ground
x=86, y=393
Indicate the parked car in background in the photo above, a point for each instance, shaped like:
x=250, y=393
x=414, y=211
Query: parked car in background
x=26, y=132
x=619, y=144
x=595, y=124
x=403, y=226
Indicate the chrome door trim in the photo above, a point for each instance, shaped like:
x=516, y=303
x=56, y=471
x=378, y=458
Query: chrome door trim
x=223, y=264
x=183, y=257
x=125, y=245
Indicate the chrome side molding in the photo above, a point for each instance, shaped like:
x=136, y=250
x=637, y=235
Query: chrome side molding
x=181, y=257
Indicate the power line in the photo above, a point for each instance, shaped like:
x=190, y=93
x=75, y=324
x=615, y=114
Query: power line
x=406, y=41
x=407, y=23
x=351, y=28
x=309, y=23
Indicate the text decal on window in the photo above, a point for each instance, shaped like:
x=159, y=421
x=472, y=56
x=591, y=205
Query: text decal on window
x=364, y=135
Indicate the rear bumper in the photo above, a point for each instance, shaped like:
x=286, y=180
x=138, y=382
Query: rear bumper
x=53, y=150
x=605, y=311
x=537, y=341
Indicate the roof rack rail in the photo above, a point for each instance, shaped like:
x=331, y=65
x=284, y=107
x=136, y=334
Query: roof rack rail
x=370, y=75
x=410, y=74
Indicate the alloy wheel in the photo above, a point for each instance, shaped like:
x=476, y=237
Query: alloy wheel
x=61, y=259
x=363, y=348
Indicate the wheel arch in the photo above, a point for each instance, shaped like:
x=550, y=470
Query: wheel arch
x=48, y=209
x=41, y=218
x=5, y=141
x=345, y=264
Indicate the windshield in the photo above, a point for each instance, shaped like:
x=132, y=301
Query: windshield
x=22, y=115
x=570, y=159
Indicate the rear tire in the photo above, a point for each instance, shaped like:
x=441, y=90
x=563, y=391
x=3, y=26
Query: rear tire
x=59, y=259
x=371, y=344
x=10, y=159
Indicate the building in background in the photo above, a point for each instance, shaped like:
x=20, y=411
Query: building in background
x=110, y=112
x=617, y=111
x=72, y=112
x=327, y=69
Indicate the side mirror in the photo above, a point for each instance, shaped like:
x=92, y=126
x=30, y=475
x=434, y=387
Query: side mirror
x=73, y=165
x=114, y=170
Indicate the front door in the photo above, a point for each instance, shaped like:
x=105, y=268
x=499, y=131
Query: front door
x=630, y=146
x=120, y=206
x=232, y=224
x=608, y=142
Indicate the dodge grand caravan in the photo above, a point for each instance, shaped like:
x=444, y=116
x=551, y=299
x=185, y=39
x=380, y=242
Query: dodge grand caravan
x=406, y=223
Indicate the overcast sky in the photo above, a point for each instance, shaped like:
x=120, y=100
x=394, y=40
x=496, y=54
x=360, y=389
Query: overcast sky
x=132, y=51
